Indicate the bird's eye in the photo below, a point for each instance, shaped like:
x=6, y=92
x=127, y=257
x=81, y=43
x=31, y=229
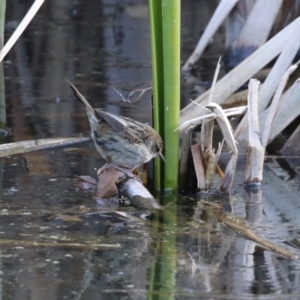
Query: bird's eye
x=155, y=148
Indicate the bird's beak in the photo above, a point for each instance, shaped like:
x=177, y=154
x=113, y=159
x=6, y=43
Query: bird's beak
x=161, y=156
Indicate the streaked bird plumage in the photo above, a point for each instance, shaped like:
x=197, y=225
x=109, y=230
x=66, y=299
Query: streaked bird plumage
x=121, y=141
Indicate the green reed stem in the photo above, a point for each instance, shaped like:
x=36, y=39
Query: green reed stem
x=165, y=38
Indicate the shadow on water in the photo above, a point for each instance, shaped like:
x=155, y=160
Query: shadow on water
x=56, y=242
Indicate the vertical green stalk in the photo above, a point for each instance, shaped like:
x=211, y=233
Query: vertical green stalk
x=171, y=55
x=165, y=38
x=158, y=77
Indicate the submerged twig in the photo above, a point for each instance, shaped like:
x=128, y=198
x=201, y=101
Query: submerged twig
x=18, y=243
x=238, y=224
x=138, y=194
x=244, y=228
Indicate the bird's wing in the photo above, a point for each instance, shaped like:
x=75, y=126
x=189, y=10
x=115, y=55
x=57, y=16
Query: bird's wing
x=135, y=132
x=117, y=123
x=129, y=129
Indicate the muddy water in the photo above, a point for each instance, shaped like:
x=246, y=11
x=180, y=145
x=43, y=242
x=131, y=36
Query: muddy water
x=56, y=242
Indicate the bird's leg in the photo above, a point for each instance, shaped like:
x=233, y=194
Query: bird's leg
x=126, y=171
x=103, y=168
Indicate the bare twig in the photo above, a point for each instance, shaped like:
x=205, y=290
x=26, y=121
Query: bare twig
x=244, y=228
x=141, y=93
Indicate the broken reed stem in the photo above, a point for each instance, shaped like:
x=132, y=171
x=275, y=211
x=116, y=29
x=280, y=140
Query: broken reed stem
x=207, y=153
x=257, y=146
x=37, y=145
x=205, y=160
x=287, y=111
x=227, y=180
x=253, y=112
x=245, y=70
x=257, y=27
x=234, y=111
x=219, y=151
x=207, y=127
x=267, y=90
x=210, y=167
x=214, y=80
x=274, y=105
x=215, y=22
x=255, y=158
x=226, y=130
x=185, y=142
x=22, y=26
x=199, y=167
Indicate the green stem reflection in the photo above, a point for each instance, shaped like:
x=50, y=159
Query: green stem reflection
x=162, y=275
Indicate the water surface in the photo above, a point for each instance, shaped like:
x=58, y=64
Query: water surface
x=56, y=242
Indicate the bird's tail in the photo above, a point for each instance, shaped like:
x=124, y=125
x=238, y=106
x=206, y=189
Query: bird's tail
x=89, y=109
x=80, y=97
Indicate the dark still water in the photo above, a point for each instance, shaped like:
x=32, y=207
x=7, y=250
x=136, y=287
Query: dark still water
x=56, y=241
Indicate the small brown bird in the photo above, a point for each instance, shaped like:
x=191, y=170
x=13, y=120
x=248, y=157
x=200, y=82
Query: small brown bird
x=121, y=141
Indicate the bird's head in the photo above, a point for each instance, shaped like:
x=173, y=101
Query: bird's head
x=157, y=147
